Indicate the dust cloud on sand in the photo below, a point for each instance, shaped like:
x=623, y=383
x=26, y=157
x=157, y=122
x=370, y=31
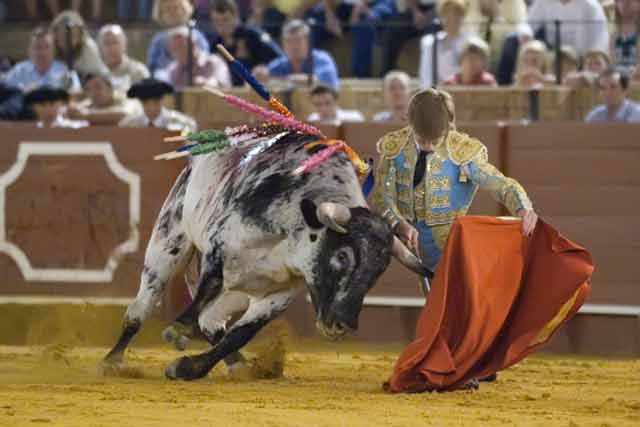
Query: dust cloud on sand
x=323, y=384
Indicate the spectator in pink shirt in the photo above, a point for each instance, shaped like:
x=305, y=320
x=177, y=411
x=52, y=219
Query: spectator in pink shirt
x=474, y=61
x=208, y=69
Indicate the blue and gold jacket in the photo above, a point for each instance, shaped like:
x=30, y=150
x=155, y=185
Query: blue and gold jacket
x=458, y=166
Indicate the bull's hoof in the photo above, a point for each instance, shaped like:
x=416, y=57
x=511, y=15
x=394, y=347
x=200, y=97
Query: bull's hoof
x=110, y=367
x=185, y=368
x=172, y=335
x=473, y=384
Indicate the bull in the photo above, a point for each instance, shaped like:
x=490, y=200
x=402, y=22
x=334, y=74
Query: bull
x=262, y=234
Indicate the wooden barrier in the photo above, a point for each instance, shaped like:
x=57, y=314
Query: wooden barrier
x=473, y=104
x=68, y=200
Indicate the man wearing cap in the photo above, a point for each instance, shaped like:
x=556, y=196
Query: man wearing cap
x=151, y=92
x=428, y=174
x=48, y=104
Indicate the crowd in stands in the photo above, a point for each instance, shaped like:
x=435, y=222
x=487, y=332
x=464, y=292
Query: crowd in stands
x=79, y=72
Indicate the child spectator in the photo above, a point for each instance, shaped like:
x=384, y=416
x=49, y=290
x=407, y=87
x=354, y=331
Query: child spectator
x=532, y=66
x=151, y=93
x=123, y=70
x=103, y=105
x=170, y=14
x=625, y=37
x=583, y=23
x=613, y=86
x=48, y=105
x=595, y=63
x=474, y=61
x=42, y=69
x=396, y=98
x=208, y=69
x=325, y=102
x=299, y=60
x=247, y=44
x=83, y=52
x=449, y=42
x=569, y=62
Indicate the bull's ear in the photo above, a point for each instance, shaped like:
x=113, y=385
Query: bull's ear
x=309, y=213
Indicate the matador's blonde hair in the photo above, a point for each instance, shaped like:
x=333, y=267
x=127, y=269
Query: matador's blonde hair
x=431, y=113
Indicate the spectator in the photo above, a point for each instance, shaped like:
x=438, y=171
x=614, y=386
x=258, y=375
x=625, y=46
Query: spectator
x=474, y=60
x=396, y=98
x=42, y=69
x=247, y=44
x=583, y=23
x=494, y=20
x=123, y=70
x=48, y=105
x=103, y=105
x=595, y=63
x=325, y=102
x=509, y=54
x=83, y=53
x=151, y=93
x=569, y=62
x=299, y=61
x=96, y=15
x=12, y=104
x=625, y=37
x=413, y=18
x=450, y=42
x=613, y=86
x=208, y=69
x=170, y=13
x=53, y=7
x=270, y=15
x=532, y=67
x=143, y=12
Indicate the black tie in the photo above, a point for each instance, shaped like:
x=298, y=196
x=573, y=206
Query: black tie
x=421, y=167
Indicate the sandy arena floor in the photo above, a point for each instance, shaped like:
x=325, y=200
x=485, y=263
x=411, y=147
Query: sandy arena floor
x=324, y=384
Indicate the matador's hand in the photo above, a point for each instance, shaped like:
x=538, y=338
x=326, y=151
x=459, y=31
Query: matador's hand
x=529, y=221
x=409, y=235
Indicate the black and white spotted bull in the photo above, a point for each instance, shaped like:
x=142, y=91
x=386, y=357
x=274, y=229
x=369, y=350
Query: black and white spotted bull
x=262, y=233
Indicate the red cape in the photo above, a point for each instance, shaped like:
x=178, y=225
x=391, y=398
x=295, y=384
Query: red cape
x=496, y=297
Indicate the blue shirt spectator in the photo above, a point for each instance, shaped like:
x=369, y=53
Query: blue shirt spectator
x=41, y=69
x=324, y=68
x=158, y=56
x=296, y=60
x=628, y=112
x=613, y=86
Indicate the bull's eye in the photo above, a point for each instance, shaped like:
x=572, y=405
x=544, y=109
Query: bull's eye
x=342, y=259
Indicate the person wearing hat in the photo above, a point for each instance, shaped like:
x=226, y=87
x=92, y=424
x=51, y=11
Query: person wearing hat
x=48, y=104
x=151, y=93
x=428, y=174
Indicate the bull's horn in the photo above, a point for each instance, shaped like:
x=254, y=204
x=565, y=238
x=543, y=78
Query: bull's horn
x=407, y=258
x=334, y=216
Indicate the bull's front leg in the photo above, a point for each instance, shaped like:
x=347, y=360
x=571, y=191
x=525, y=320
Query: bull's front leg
x=259, y=313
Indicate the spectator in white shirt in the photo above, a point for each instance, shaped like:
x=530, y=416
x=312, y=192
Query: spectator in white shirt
x=325, y=102
x=396, y=98
x=449, y=43
x=123, y=70
x=583, y=24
